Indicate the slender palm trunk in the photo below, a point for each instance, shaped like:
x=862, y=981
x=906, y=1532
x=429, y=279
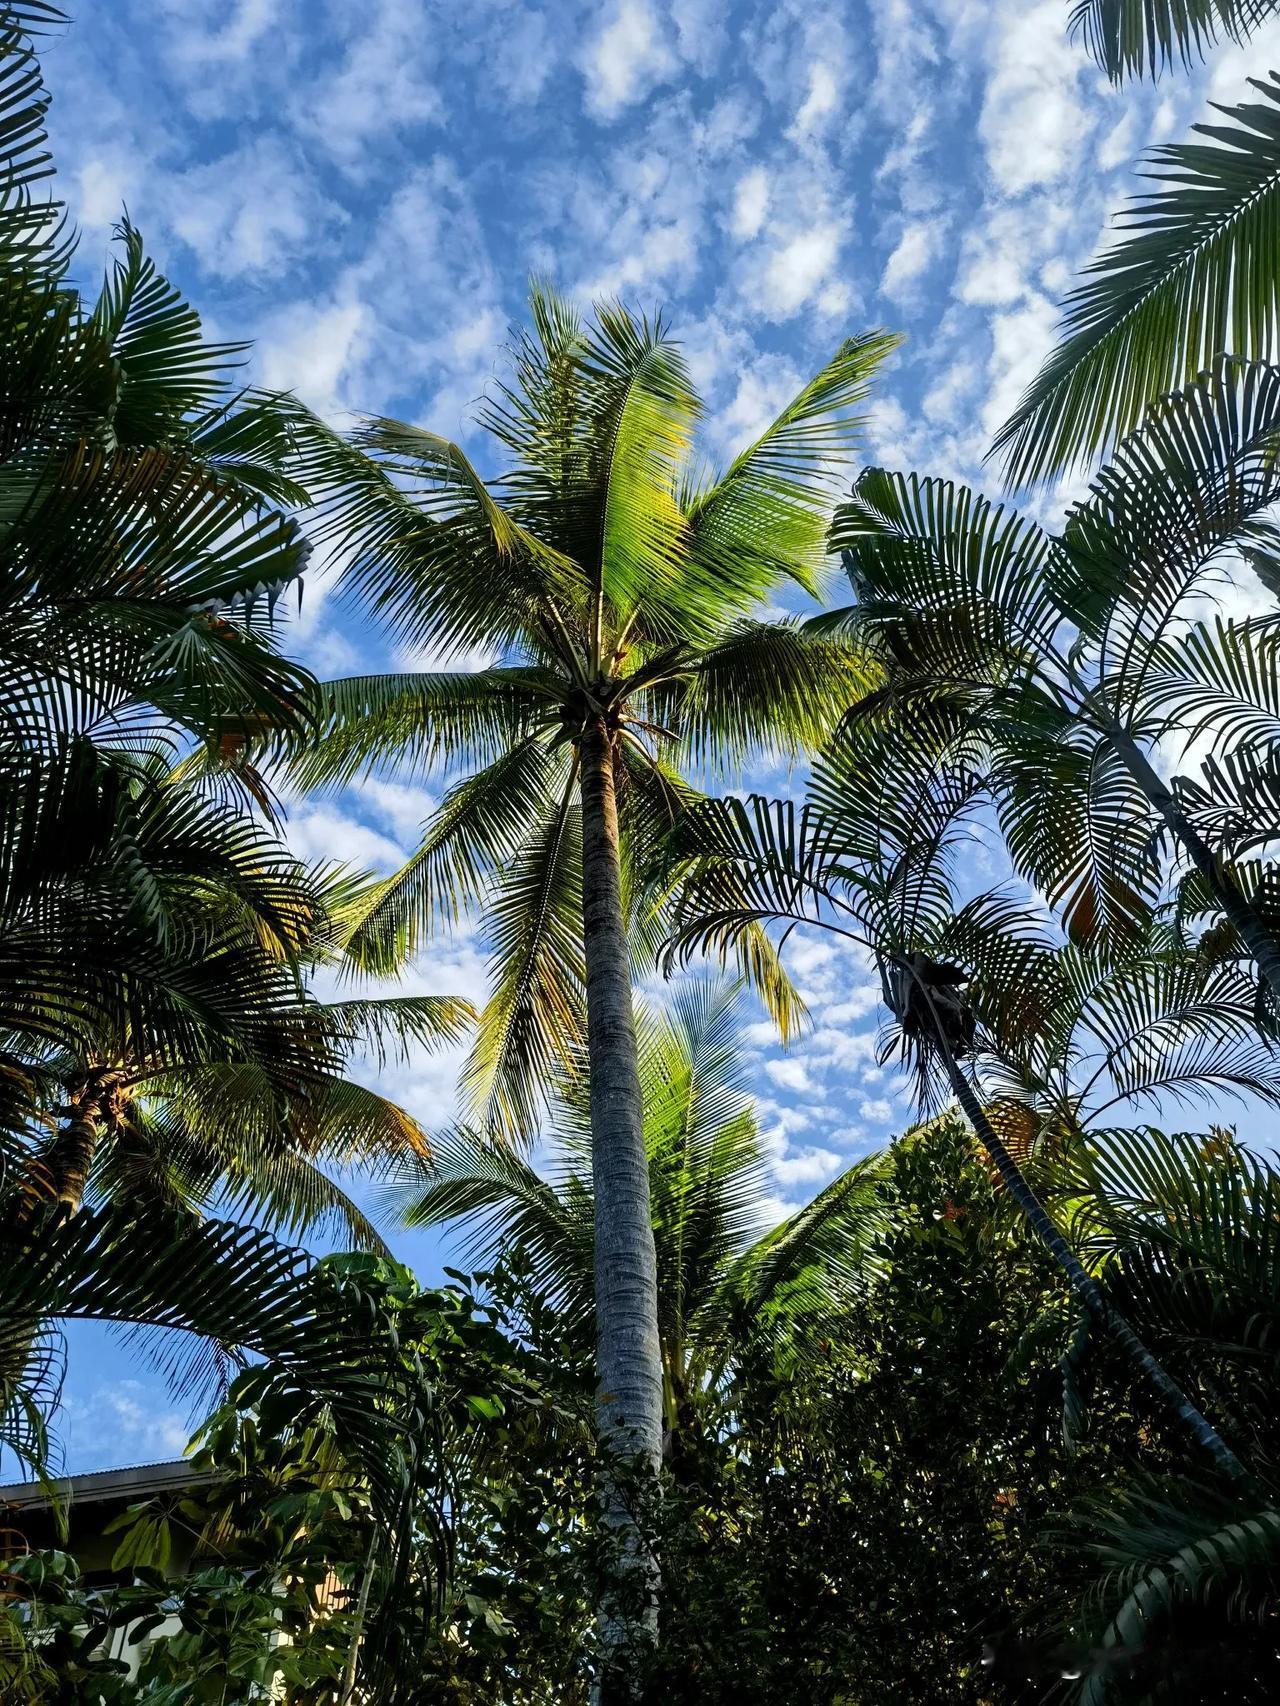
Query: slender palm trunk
x=1249, y=927
x=629, y=1357
x=347, y=1692
x=69, y=1158
x=1086, y=1289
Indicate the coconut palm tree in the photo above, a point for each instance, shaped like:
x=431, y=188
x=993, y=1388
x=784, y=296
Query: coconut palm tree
x=1048, y=669
x=730, y=1287
x=1194, y=273
x=619, y=591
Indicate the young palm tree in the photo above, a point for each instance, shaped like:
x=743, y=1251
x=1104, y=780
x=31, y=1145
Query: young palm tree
x=619, y=589
x=1046, y=668
x=730, y=1288
x=1195, y=272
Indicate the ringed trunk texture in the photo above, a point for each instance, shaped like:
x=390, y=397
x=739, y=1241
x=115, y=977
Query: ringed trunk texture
x=628, y=1353
x=69, y=1158
x=1086, y=1289
x=1234, y=905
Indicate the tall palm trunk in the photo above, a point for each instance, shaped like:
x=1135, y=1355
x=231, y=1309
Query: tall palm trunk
x=1086, y=1289
x=628, y=1351
x=1251, y=930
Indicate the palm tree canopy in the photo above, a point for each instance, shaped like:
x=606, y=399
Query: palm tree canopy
x=612, y=581
x=729, y=1285
x=1019, y=659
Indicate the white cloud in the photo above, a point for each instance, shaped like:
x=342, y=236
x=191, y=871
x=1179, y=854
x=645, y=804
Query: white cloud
x=844, y=1049
x=1119, y=145
x=820, y=101
x=104, y=187
x=402, y=808
x=127, y=1422
x=626, y=58
x=798, y=267
x=877, y=1108
x=855, y=1003
x=750, y=203
x=791, y=1074
x=196, y=45
x=321, y=832
x=526, y=54
x=313, y=348
x=383, y=83
x=1033, y=122
x=953, y=386
x=1020, y=340
x=766, y=384
x=916, y=248
x=810, y=1166
x=254, y=212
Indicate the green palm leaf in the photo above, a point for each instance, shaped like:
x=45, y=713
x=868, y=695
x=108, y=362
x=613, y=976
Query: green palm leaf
x=1135, y=38
x=768, y=515
x=1193, y=277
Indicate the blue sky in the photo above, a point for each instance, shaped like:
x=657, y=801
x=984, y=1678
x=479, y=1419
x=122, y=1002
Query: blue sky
x=363, y=190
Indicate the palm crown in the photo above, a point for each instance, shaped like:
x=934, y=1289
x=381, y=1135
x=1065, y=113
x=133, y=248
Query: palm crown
x=615, y=585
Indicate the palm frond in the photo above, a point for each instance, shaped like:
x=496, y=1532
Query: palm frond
x=225, y=1281
x=1190, y=279
x=767, y=518
x=477, y=831
x=777, y=688
x=1136, y=38
x=1192, y=478
x=643, y=427
x=416, y=720
x=535, y=1018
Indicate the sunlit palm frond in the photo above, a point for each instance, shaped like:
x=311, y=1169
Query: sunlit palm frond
x=642, y=418
x=1192, y=276
x=767, y=516
x=415, y=721
x=534, y=1020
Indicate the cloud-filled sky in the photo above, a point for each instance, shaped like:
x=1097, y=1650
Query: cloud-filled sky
x=364, y=190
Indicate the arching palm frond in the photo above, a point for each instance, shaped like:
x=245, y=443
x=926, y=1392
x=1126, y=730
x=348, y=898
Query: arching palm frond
x=229, y=1282
x=1192, y=277
x=1219, y=683
x=1180, y=489
x=768, y=514
x=27, y=221
x=1144, y=37
x=416, y=721
x=535, y=1019
x=499, y=1202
